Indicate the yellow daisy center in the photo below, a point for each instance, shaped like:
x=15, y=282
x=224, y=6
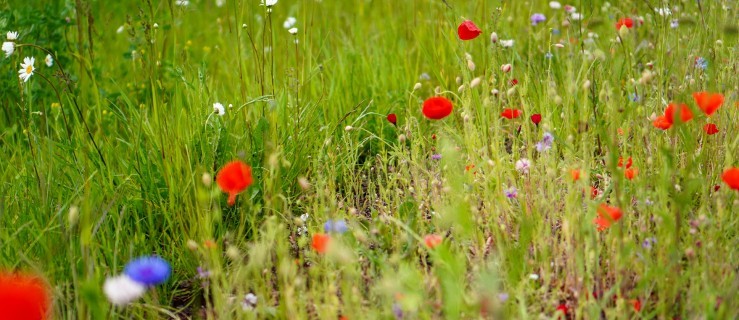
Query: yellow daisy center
x=29, y=69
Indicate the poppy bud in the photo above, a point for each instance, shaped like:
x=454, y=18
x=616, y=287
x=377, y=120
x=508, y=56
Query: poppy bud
x=417, y=86
x=475, y=82
x=506, y=68
x=493, y=37
x=468, y=30
x=348, y=128
x=471, y=65
x=304, y=183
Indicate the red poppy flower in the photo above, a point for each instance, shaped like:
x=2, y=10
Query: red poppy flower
x=637, y=305
x=392, y=118
x=562, y=307
x=23, y=297
x=468, y=30
x=575, y=174
x=629, y=162
x=606, y=216
x=437, y=108
x=511, y=113
x=662, y=123
x=631, y=173
x=685, y=114
x=432, y=240
x=594, y=192
x=514, y=82
x=708, y=102
x=731, y=178
x=624, y=22
x=234, y=178
x=710, y=129
x=536, y=118
x=320, y=242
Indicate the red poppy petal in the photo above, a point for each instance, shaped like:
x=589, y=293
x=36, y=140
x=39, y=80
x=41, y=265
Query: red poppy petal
x=437, y=108
x=468, y=30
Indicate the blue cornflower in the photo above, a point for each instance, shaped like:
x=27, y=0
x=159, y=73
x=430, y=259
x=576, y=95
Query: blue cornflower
x=148, y=270
x=503, y=297
x=634, y=97
x=555, y=31
x=548, y=55
x=338, y=226
x=537, y=18
x=701, y=63
x=674, y=23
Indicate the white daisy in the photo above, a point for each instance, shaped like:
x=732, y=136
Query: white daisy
x=289, y=22
x=293, y=30
x=8, y=48
x=523, y=165
x=122, y=290
x=268, y=3
x=506, y=43
x=27, y=68
x=220, y=3
x=219, y=109
x=49, y=60
x=576, y=16
x=12, y=35
x=555, y=5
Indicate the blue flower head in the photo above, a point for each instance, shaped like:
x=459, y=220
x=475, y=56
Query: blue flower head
x=148, y=270
x=537, y=18
x=338, y=226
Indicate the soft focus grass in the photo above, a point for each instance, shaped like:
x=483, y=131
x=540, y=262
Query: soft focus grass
x=146, y=95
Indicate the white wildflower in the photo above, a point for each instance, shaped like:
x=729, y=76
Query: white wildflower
x=219, y=109
x=122, y=290
x=27, y=68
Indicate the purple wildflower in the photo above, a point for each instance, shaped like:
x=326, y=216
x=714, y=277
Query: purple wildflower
x=537, y=18
x=436, y=156
x=397, y=311
x=511, y=192
x=648, y=242
x=674, y=23
x=503, y=297
x=545, y=143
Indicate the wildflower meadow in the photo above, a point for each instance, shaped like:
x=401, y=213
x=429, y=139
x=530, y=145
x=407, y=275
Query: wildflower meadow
x=369, y=159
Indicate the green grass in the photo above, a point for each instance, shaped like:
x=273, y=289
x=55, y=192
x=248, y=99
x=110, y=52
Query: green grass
x=115, y=163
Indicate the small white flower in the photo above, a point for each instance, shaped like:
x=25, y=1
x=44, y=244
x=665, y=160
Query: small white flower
x=506, y=43
x=49, y=60
x=27, y=68
x=289, y=22
x=219, y=109
x=555, y=5
x=293, y=30
x=220, y=3
x=523, y=165
x=12, y=35
x=8, y=48
x=122, y=290
x=304, y=217
x=534, y=276
x=268, y=3
x=182, y=3
x=250, y=299
x=576, y=16
x=663, y=11
x=120, y=29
